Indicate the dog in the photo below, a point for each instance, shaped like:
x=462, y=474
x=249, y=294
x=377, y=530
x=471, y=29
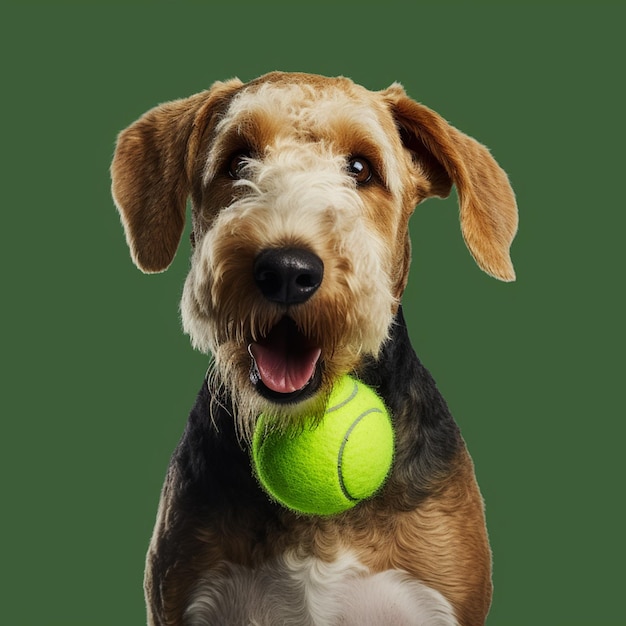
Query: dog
x=301, y=189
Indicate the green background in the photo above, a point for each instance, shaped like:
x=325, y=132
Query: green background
x=97, y=377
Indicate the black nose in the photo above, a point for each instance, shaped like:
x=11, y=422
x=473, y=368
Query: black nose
x=288, y=275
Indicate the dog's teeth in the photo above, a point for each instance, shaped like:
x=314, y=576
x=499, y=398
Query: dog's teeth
x=255, y=375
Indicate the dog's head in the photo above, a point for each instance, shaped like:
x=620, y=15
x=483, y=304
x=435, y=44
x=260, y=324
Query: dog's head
x=302, y=188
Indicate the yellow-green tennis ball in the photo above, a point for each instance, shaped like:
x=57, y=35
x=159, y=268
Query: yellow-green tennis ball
x=329, y=468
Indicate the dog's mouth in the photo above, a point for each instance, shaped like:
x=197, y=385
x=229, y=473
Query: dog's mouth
x=286, y=364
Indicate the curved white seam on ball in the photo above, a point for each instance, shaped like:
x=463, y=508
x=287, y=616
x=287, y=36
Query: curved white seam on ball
x=344, y=490
x=355, y=390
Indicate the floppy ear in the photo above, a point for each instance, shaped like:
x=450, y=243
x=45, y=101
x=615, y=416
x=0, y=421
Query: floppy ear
x=488, y=210
x=151, y=172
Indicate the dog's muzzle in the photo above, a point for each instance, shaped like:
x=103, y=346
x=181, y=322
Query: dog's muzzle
x=285, y=363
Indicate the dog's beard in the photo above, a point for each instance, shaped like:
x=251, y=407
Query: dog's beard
x=283, y=365
x=282, y=361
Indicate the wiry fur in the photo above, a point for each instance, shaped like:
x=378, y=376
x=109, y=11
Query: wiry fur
x=222, y=551
x=329, y=221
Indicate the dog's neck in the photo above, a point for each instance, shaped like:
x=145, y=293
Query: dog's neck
x=427, y=437
x=212, y=461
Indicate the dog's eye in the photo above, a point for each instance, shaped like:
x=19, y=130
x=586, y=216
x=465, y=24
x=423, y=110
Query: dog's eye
x=360, y=169
x=237, y=164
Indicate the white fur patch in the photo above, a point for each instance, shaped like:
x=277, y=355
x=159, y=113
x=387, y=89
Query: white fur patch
x=294, y=591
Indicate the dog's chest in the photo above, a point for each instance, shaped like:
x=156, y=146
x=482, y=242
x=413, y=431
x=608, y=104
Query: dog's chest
x=305, y=591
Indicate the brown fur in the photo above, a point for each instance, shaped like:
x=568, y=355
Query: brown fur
x=161, y=160
x=443, y=543
x=151, y=170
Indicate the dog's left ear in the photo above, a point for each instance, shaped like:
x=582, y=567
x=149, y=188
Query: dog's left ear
x=151, y=173
x=488, y=210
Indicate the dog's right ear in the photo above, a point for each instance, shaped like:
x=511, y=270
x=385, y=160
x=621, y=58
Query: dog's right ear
x=488, y=210
x=151, y=173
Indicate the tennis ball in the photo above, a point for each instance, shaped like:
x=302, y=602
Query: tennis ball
x=328, y=468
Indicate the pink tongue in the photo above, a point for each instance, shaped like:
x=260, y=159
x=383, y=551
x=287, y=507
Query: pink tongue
x=285, y=359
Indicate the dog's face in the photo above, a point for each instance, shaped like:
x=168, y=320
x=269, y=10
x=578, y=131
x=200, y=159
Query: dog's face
x=302, y=188
x=314, y=176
